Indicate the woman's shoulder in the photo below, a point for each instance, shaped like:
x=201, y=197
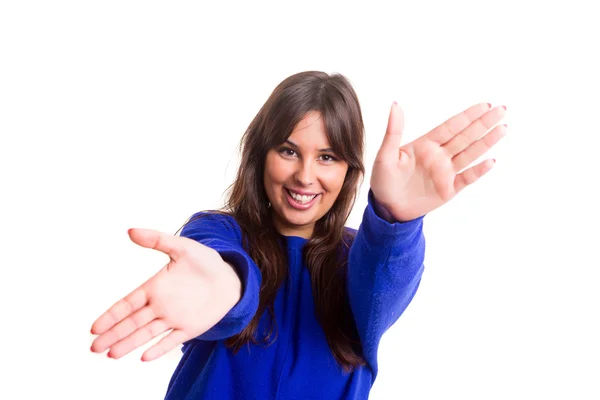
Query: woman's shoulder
x=348, y=236
x=212, y=216
x=214, y=221
x=349, y=231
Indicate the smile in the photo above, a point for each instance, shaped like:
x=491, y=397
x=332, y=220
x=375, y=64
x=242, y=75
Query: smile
x=298, y=201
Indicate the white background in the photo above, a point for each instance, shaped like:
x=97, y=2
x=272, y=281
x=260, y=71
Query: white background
x=122, y=114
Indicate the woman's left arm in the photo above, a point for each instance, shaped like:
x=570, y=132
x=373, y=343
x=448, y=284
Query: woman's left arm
x=385, y=265
x=385, y=262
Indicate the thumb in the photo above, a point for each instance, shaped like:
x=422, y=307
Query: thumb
x=156, y=240
x=393, y=133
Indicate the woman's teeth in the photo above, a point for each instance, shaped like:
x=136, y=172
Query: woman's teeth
x=303, y=199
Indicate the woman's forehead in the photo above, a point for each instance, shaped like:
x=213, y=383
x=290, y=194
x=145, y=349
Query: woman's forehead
x=311, y=119
x=310, y=133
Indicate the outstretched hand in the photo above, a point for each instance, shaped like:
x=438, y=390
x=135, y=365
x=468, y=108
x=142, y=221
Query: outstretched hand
x=411, y=180
x=187, y=297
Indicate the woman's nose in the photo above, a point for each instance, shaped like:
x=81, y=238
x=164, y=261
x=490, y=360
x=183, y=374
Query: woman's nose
x=305, y=174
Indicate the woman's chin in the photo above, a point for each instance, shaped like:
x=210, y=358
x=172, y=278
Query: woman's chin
x=298, y=221
x=293, y=220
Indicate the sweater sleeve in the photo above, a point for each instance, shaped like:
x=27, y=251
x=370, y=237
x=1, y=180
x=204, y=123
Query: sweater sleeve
x=223, y=234
x=385, y=265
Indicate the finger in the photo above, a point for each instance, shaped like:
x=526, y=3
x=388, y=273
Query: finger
x=121, y=310
x=138, y=338
x=123, y=329
x=393, y=133
x=477, y=149
x=166, y=344
x=156, y=240
x=449, y=128
x=474, y=131
x=472, y=174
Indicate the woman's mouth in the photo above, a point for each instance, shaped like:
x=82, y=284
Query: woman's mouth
x=298, y=201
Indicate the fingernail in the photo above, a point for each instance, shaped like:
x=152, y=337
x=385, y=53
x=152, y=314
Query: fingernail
x=108, y=355
x=489, y=105
x=395, y=103
x=504, y=107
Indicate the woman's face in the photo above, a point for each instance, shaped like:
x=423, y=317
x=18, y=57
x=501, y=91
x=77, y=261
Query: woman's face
x=303, y=177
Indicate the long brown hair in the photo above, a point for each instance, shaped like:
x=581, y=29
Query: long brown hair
x=325, y=253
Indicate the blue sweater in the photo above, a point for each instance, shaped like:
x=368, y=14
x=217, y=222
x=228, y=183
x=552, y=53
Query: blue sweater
x=385, y=263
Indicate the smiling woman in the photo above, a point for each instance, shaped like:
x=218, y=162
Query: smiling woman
x=273, y=291
x=304, y=178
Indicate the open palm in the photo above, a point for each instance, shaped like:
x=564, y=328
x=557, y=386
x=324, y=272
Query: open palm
x=193, y=292
x=412, y=180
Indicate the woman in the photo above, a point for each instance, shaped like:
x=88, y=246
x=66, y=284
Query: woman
x=272, y=297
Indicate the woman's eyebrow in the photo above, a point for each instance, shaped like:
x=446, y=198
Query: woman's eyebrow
x=327, y=150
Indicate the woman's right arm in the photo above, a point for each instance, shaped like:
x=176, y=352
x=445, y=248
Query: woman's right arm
x=222, y=234
x=207, y=291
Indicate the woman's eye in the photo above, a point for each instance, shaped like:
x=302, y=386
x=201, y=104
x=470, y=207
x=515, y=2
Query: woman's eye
x=328, y=158
x=287, y=152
